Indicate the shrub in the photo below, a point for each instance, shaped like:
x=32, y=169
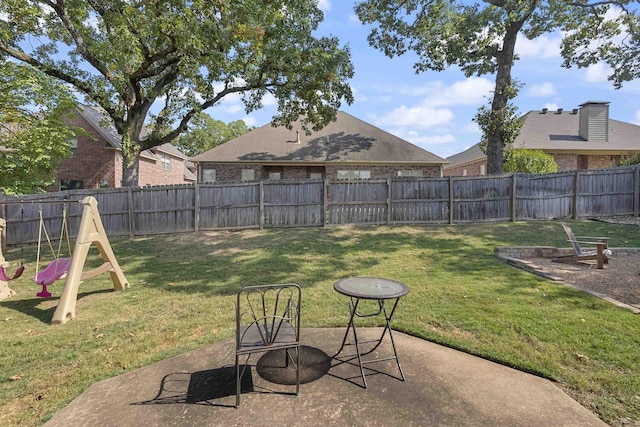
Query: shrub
x=633, y=159
x=529, y=161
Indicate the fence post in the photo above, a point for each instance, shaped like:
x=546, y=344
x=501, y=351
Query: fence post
x=131, y=212
x=636, y=190
x=513, y=198
x=196, y=208
x=325, y=203
x=261, y=219
x=451, y=200
x=388, y=200
x=576, y=190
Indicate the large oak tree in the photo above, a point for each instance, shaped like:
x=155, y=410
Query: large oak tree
x=155, y=64
x=480, y=38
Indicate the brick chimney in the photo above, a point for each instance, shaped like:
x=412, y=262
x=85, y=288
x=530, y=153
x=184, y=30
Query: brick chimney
x=594, y=121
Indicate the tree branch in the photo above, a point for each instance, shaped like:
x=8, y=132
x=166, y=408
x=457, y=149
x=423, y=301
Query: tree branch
x=82, y=48
x=53, y=72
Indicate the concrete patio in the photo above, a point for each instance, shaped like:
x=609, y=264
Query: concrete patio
x=443, y=387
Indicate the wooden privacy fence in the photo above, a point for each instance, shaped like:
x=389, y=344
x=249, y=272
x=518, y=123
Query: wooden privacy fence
x=138, y=211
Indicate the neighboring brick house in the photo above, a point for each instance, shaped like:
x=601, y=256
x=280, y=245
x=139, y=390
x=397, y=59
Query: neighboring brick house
x=471, y=162
x=584, y=138
x=96, y=160
x=347, y=148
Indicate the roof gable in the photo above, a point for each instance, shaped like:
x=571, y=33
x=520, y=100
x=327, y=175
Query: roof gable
x=102, y=123
x=347, y=139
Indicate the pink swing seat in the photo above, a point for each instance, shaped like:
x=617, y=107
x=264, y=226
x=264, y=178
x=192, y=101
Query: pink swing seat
x=54, y=271
x=5, y=278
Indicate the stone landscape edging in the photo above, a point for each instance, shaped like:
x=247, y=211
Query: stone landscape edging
x=517, y=257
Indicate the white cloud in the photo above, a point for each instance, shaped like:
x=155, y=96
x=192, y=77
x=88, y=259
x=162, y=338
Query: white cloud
x=467, y=92
x=636, y=118
x=353, y=19
x=543, y=89
x=551, y=106
x=542, y=47
x=426, y=142
x=420, y=117
x=324, y=5
x=430, y=140
x=249, y=120
x=359, y=96
x=233, y=108
x=471, y=127
x=597, y=73
x=269, y=100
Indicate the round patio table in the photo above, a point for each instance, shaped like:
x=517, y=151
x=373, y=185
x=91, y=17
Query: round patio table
x=370, y=288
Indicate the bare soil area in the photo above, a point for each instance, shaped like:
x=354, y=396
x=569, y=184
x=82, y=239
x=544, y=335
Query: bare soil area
x=619, y=280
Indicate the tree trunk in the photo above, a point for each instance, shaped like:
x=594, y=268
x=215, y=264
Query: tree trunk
x=502, y=94
x=131, y=173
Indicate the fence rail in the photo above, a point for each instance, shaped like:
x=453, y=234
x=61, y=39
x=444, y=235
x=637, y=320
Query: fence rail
x=139, y=211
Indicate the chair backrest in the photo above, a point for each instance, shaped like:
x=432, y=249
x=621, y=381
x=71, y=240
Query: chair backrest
x=266, y=312
x=572, y=239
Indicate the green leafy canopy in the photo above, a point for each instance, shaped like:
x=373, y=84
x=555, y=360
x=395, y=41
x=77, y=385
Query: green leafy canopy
x=181, y=58
x=32, y=131
x=205, y=133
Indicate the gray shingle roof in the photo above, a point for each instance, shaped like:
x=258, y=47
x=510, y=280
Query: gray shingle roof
x=559, y=132
x=469, y=155
x=554, y=132
x=99, y=119
x=348, y=139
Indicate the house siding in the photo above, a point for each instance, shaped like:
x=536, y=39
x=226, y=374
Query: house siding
x=151, y=171
x=471, y=168
x=571, y=162
x=233, y=172
x=383, y=171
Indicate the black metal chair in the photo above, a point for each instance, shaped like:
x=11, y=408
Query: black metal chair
x=268, y=319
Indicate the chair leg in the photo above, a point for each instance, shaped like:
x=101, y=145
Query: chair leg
x=238, y=382
x=297, y=371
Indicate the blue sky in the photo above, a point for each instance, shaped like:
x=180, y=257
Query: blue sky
x=434, y=110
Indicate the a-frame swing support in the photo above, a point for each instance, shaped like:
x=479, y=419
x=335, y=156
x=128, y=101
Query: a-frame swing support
x=91, y=231
x=5, y=290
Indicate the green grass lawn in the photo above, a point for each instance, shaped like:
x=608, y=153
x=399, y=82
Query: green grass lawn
x=182, y=297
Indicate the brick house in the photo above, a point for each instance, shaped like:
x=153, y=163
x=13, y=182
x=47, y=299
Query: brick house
x=583, y=138
x=347, y=148
x=96, y=159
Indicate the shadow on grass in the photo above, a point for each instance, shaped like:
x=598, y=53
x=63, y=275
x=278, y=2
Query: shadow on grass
x=30, y=306
x=305, y=257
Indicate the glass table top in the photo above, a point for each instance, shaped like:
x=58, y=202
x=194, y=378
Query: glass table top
x=371, y=288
